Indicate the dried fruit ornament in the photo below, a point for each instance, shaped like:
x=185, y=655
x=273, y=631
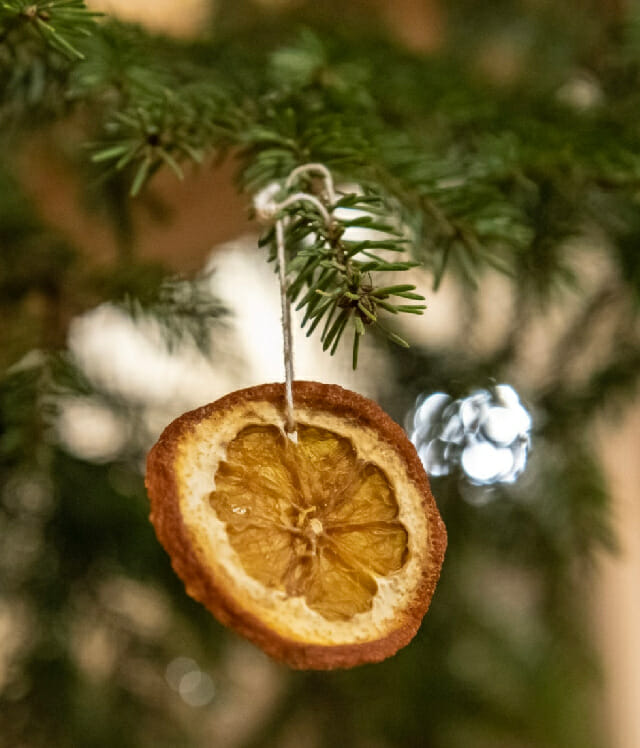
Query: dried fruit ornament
x=312, y=532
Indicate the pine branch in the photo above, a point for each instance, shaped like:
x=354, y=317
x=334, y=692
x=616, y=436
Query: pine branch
x=58, y=23
x=147, y=137
x=341, y=282
x=40, y=45
x=489, y=181
x=181, y=308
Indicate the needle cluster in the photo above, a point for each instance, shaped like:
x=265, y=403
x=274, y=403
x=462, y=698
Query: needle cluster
x=339, y=271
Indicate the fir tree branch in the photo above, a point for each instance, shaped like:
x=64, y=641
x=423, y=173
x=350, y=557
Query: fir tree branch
x=340, y=282
x=181, y=308
x=58, y=23
x=490, y=182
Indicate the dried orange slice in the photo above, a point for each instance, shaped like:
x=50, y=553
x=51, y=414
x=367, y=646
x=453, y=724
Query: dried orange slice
x=323, y=549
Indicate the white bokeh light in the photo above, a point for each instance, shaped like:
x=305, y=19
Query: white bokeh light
x=195, y=687
x=90, y=430
x=486, y=434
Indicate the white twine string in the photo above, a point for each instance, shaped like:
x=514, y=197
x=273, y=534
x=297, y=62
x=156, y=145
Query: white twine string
x=267, y=208
x=318, y=169
x=287, y=332
x=302, y=197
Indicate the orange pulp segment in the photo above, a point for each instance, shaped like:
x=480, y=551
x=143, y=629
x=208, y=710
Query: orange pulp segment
x=310, y=518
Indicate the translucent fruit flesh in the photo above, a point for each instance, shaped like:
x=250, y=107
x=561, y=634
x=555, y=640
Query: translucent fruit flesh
x=311, y=518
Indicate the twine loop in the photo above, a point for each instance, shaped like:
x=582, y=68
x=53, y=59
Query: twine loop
x=270, y=210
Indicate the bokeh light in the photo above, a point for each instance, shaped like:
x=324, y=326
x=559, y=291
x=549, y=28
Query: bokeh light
x=486, y=434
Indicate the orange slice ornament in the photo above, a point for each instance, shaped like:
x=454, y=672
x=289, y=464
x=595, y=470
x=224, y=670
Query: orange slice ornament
x=322, y=547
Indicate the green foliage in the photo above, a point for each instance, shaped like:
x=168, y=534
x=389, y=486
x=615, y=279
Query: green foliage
x=39, y=44
x=336, y=280
x=58, y=23
x=183, y=309
x=481, y=178
x=434, y=163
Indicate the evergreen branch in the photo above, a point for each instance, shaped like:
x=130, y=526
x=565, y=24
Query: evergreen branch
x=470, y=184
x=181, y=308
x=335, y=278
x=163, y=129
x=59, y=23
x=41, y=43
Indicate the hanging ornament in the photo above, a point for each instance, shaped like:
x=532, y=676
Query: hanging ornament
x=486, y=434
x=299, y=514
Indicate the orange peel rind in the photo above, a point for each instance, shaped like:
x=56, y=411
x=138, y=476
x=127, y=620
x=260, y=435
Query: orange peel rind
x=324, y=548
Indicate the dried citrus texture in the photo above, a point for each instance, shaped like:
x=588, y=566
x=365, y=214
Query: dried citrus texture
x=310, y=518
x=324, y=551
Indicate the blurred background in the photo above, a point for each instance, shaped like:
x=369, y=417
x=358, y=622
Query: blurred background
x=118, y=314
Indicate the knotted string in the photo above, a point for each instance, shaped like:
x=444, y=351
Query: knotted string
x=267, y=208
